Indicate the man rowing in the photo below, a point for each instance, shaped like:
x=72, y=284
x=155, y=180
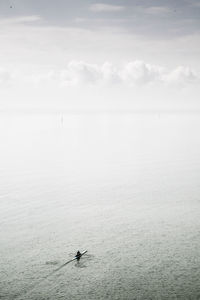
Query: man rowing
x=78, y=255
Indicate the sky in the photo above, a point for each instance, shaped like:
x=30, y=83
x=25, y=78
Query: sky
x=99, y=55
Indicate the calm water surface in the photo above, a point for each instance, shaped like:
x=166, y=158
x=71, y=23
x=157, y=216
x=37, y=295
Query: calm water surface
x=123, y=186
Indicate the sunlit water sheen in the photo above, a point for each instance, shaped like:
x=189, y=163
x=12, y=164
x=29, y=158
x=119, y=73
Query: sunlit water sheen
x=126, y=187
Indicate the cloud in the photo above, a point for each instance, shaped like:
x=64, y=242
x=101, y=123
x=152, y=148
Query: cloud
x=156, y=10
x=110, y=73
x=20, y=20
x=133, y=73
x=101, y=7
x=138, y=72
x=182, y=75
x=79, y=73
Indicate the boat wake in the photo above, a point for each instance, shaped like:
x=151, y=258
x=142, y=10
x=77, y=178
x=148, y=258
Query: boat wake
x=31, y=288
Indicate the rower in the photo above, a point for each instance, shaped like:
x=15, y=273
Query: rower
x=78, y=255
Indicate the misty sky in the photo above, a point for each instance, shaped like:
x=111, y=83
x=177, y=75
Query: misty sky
x=128, y=46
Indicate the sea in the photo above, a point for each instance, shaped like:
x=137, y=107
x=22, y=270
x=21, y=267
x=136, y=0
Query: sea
x=125, y=186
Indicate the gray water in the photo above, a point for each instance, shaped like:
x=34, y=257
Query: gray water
x=123, y=186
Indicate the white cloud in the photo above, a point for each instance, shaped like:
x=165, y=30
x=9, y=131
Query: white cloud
x=134, y=73
x=182, y=75
x=79, y=73
x=102, y=7
x=110, y=73
x=138, y=72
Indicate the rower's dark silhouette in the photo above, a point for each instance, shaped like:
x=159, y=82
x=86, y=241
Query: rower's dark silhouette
x=78, y=255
